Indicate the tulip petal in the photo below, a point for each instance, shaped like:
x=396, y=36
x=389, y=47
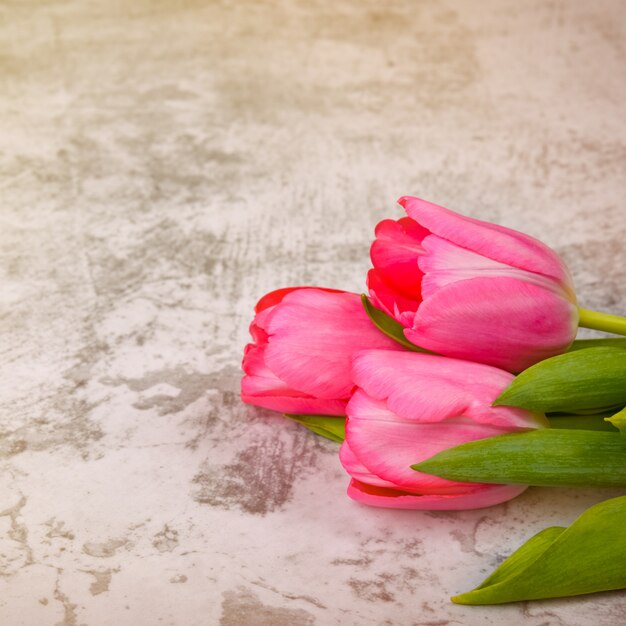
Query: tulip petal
x=259, y=324
x=259, y=379
x=312, y=336
x=481, y=497
x=443, y=262
x=394, y=254
x=389, y=300
x=388, y=447
x=253, y=362
x=275, y=297
x=294, y=404
x=357, y=470
x=395, y=282
x=491, y=240
x=261, y=387
x=501, y=321
x=425, y=388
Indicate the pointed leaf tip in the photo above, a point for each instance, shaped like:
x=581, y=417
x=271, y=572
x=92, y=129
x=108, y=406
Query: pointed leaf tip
x=546, y=457
x=333, y=428
x=618, y=420
x=587, y=557
x=592, y=378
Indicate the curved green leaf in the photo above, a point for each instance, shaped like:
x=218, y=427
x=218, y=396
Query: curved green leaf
x=594, y=378
x=547, y=457
x=327, y=426
x=615, y=342
x=387, y=325
x=588, y=556
x=523, y=556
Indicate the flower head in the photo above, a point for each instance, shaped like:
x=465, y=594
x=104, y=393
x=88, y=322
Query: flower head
x=304, y=340
x=470, y=289
x=408, y=407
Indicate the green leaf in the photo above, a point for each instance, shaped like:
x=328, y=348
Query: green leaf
x=523, y=556
x=327, y=426
x=544, y=457
x=581, y=422
x=387, y=325
x=618, y=420
x=588, y=556
x=615, y=342
x=594, y=378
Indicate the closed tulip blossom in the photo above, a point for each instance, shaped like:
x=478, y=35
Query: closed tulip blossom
x=470, y=289
x=408, y=407
x=304, y=340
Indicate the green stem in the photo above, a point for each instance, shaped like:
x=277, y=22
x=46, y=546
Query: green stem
x=602, y=321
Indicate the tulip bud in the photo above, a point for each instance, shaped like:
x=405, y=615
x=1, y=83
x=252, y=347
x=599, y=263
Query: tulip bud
x=472, y=290
x=408, y=407
x=304, y=339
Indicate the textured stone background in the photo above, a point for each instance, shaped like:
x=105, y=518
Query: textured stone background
x=164, y=163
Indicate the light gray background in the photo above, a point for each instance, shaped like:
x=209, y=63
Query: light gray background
x=163, y=165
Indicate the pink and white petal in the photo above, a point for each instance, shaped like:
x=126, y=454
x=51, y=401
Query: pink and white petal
x=258, y=326
x=491, y=240
x=363, y=406
x=388, y=449
x=255, y=385
x=254, y=361
x=500, y=321
x=357, y=470
x=485, y=496
x=427, y=388
x=262, y=387
x=443, y=262
x=302, y=405
x=257, y=332
x=312, y=337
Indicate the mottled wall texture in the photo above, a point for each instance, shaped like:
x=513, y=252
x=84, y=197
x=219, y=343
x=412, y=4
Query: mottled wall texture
x=166, y=162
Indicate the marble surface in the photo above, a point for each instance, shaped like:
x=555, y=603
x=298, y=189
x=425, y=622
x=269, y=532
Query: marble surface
x=167, y=162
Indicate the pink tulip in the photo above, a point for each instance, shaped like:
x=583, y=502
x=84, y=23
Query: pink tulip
x=472, y=290
x=408, y=407
x=304, y=339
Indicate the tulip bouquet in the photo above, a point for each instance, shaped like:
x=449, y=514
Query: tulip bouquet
x=456, y=384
